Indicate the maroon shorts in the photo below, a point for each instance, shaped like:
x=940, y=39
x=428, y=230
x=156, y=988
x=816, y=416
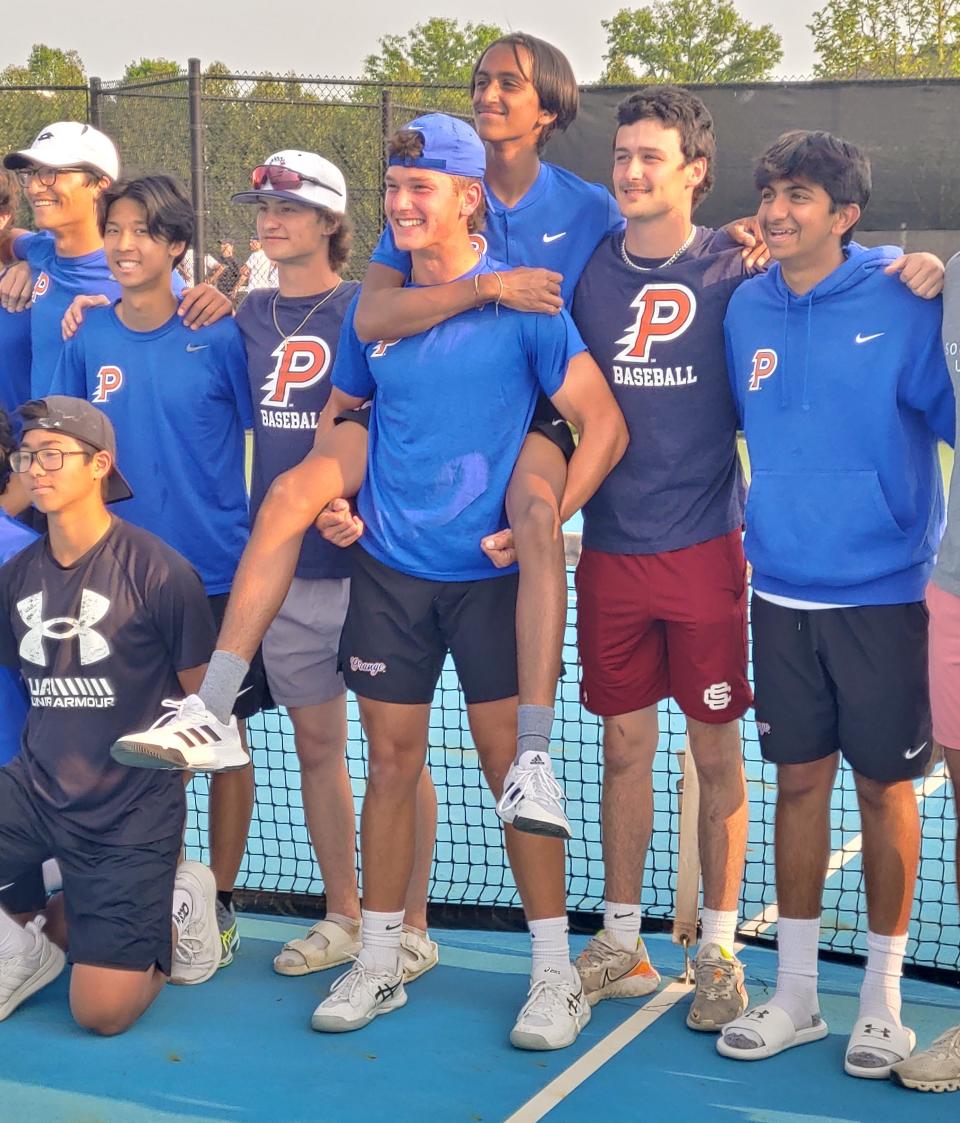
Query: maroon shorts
x=654, y=626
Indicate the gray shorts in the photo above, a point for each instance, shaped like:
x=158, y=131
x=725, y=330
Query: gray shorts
x=300, y=647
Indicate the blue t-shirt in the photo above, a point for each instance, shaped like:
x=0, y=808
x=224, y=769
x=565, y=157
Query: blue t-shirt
x=556, y=225
x=290, y=383
x=14, y=359
x=14, y=701
x=56, y=281
x=451, y=410
x=179, y=401
x=658, y=338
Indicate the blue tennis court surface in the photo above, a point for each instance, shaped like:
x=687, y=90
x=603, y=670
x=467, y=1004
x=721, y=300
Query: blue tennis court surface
x=240, y=1048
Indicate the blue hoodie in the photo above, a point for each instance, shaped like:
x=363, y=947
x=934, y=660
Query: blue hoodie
x=842, y=394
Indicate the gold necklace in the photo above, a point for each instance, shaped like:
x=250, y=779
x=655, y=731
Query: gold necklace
x=273, y=309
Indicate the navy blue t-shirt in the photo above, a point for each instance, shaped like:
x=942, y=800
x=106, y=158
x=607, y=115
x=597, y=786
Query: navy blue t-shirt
x=15, y=357
x=179, y=401
x=658, y=338
x=14, y=537
x=290, y=385
x=451, y=410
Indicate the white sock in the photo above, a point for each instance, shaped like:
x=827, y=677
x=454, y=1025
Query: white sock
x=719, y=928
x=381, y=940
x=14, y=940
x=621, y=923
x=880, y=993
x=550, y=945
x=797, y=946
x=183, y=909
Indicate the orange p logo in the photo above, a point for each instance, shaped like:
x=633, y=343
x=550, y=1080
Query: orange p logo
x=764, y=364
x=109, y=379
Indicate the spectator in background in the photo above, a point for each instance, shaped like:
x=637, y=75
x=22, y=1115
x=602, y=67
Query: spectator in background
x=258, y=271
x=226, y=275
x=185, y=268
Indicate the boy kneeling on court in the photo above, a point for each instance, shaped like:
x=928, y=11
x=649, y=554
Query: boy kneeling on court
x=103, y=621
x=842, y=389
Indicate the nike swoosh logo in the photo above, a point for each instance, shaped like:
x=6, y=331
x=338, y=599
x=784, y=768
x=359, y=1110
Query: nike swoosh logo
x=548, y=238
x=866, y=338
x=191, y=347
x=392, y=927
x=911, y=753
x=9, y=885
x=621, y=915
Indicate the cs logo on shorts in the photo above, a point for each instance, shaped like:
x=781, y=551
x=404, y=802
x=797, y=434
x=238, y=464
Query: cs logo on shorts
x=109, y=380
x=664, y=313
x=718, y=696
x=41, y=286
x=302, y=361
x=764, y=364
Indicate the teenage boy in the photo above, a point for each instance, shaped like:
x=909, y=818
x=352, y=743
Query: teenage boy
x=103, y=621
x=291, y=334
x=842, y=389
x=64, y=172
x=937, y=1068
x=179, y=400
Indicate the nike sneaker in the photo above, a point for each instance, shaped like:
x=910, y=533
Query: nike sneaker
x=609, y=971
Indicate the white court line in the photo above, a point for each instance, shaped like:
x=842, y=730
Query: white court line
x=583, y=1068
x=839, y=858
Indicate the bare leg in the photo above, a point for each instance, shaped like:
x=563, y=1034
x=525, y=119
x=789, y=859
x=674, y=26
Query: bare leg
x=891, y=852
x=724, y=816
x=953, y=767
x=108, y=1000
x=803, y=835
x=232, y=796
x=415, y=907
x=629, y=745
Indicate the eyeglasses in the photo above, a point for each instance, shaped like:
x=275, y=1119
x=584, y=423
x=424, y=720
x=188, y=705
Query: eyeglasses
x=49, y=459
x=46, y=176
x=282, y=178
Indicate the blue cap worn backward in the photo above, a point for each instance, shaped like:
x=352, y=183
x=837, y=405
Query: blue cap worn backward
x=449, y=145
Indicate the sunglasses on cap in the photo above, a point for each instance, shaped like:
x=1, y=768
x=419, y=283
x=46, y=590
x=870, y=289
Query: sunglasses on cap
x=282, y=178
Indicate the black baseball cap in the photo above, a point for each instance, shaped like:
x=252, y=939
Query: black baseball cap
x=77, y=418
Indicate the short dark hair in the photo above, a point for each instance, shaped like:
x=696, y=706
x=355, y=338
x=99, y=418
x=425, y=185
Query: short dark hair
x=552, y=78
x=408, y=144
x=8, y=443
x=676, y=108
x=839, y=167
x=9, y=192
x=165, y=202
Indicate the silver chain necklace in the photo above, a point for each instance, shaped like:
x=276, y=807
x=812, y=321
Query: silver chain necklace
x=663, y=264
x=273, y=309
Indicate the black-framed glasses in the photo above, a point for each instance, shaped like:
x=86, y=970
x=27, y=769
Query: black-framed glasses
x=46, y=176
x=49, y=459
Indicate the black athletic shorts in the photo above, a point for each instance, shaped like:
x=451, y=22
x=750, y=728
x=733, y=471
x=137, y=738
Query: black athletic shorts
x=118, y=898
x=853, y=679
x=399, y=629
x=546, y=421
x=26, y=893
x=255, y=693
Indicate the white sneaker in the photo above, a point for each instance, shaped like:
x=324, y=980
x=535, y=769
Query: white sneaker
x=187, y=738
x=197, y=954
x=532, y=799
x=25, y=974
x=554, y=1013
x=357, y=997
x=418, y=954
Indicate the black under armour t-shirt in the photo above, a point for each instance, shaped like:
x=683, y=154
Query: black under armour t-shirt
x=99, y=644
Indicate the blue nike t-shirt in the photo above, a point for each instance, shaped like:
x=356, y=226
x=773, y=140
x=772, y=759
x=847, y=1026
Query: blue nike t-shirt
x=56, y=281
x=557, y=225
x=14, y=701
x=450, y=411
x=179, y=401
x=657, y=335
x=290, y=383
x=15, y=359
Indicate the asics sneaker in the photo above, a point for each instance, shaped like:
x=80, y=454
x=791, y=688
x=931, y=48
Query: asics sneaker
x=229, y=936
x=357, y=997
x=197, y=954
x=609, y=971
x=554, y=1013
x=187, y=738
x=720, y=995
x=25, y=974
x=532, y=800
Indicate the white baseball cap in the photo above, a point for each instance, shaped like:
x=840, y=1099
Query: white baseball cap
x=320, y=184
x=69, y=144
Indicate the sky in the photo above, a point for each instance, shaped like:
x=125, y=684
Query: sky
x=252, y=37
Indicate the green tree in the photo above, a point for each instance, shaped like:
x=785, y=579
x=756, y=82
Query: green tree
x=146, y=68
x=46, y=66
x=440, y=50
x=887, y=38
x=688, y=41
